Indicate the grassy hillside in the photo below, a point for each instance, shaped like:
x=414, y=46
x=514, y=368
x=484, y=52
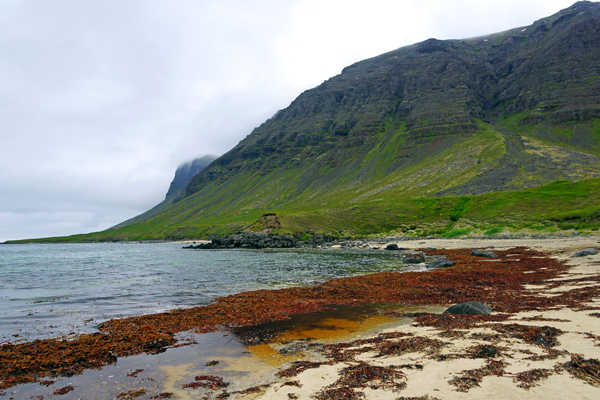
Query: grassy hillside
x=551, y=208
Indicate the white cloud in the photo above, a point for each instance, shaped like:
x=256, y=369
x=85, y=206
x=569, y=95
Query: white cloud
x=87, y=96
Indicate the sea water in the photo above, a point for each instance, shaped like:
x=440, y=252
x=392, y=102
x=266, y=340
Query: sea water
x=50, y=290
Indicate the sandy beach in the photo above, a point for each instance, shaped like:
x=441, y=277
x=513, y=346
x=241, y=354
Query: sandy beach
x=541, y=340
x=449, y=366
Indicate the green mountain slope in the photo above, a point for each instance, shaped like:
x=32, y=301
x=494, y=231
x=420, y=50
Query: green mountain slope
x=433, y=138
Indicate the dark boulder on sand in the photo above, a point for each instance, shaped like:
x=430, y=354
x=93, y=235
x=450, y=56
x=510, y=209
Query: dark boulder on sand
x=470, y=308
x=585, y=252
x=392, y=246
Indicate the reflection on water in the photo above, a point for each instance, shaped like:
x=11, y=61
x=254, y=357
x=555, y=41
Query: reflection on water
x=242, y=366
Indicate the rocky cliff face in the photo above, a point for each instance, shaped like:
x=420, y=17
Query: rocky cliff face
x=434, y=90
x=184, y=175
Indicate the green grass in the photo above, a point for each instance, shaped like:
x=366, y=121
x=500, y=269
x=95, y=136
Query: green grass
x=493, y=231
x=550, y=208
x=459, y=209
x=456, y=233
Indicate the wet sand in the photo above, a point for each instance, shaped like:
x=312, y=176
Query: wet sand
x=241, y=358
x=315, y=349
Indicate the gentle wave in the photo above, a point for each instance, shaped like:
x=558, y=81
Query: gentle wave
x=54, y=289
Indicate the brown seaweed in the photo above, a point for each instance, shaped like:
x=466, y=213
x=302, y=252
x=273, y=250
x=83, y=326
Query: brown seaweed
x=132, y=394
x=586, y=370
x=499, y=284
x=298, y=367
x=207, y=382
x=530, y=378
x=63, y=390
x=473, y=377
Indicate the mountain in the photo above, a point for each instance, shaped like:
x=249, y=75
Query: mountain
x=440, y=137
x=183, y=176
x=420, y=100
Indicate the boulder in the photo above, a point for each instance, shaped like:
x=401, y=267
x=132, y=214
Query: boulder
x=440, y=263
x=392, y=246
x=483, y=253
x=585, y=252
x=470, y=307
x=414, y=259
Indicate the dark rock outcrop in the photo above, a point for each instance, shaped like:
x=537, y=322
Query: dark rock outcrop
x=264, y=240
x=249, y=240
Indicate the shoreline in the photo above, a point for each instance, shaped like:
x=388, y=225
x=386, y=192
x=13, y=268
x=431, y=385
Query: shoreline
x=367, y=239
x=154, y=333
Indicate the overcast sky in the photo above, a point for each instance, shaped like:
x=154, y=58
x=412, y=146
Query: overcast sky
x=101, y=100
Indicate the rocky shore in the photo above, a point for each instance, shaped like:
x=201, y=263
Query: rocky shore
x=259, y=240
x=262, y=240
x=250, y=240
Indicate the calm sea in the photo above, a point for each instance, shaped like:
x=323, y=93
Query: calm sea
x=49, y=290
